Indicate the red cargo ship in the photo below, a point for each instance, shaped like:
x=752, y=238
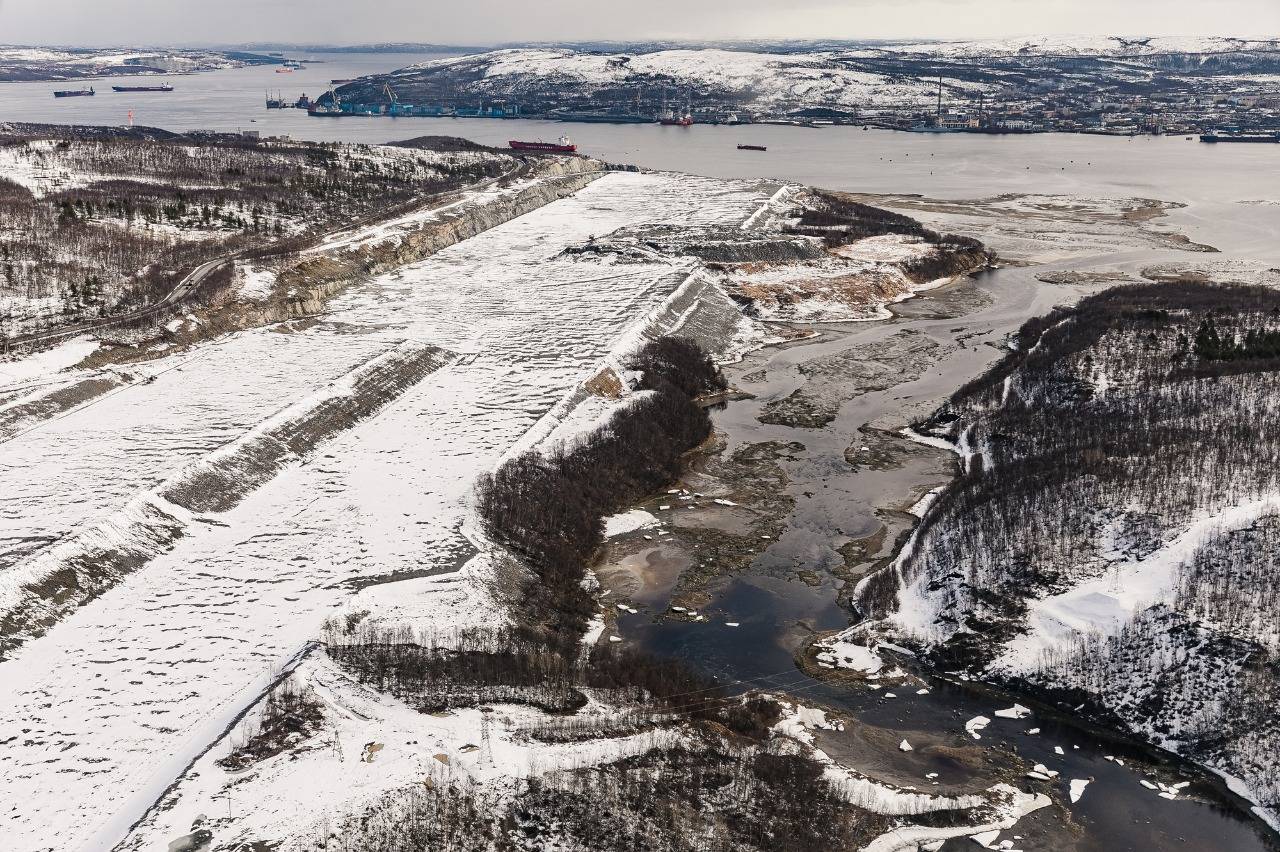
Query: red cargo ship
x=564, y=146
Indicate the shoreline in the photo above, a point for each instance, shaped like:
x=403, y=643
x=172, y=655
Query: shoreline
x=1148, y=759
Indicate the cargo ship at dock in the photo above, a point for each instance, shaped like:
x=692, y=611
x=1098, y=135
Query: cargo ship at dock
x=1214, y=136
x=563, y=146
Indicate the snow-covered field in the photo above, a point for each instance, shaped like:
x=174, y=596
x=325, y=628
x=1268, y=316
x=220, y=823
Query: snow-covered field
x=105, y=710
x=293, y=795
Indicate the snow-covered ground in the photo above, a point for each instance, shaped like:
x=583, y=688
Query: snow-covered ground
x=1103, y=606
x=1151, y=589
x=1046, y=228
x=148, y=206
x=337, y=773
x=105, y=710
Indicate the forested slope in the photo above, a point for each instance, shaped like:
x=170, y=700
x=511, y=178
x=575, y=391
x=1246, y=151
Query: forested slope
x=1112, y=537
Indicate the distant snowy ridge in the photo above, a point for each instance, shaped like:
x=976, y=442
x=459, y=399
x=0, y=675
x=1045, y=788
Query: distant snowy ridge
x=57, y=63
x=1067, y=45
x=765, y=81
x=760, y=78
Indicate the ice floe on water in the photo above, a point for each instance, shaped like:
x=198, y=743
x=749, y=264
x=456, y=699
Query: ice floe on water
x=629, y=521
x=849, y=655
x=976, y=725
x=1017, y=711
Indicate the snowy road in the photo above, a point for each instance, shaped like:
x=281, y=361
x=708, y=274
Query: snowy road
x=98, y=715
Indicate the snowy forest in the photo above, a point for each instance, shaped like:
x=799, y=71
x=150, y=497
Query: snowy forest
x=1111, y=538
x=96, y=226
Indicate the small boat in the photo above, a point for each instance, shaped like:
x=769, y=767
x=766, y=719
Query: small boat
x=284, y=70
x=163, y=87
x=752, y=148
x=564, y=146
x=74, y=93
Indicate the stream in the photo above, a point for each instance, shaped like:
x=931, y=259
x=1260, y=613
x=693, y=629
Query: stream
x=836, y=503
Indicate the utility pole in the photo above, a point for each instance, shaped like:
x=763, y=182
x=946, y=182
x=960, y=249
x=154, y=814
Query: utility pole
x=486, y=746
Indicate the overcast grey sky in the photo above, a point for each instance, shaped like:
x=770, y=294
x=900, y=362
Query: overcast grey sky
x=489, y=21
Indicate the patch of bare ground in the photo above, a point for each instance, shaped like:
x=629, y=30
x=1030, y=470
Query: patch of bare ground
x=960, y=766
x=833, y=380
x=290, y=715
x=957, y=298
x=1030, y=227
x=712, y=527
x=1075, y=278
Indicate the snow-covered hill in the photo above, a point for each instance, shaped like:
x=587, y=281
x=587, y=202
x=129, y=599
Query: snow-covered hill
x=763, y=81
x=776, y=79
x=1112, y=537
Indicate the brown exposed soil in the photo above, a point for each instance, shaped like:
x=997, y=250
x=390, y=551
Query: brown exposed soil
x=701, y=541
